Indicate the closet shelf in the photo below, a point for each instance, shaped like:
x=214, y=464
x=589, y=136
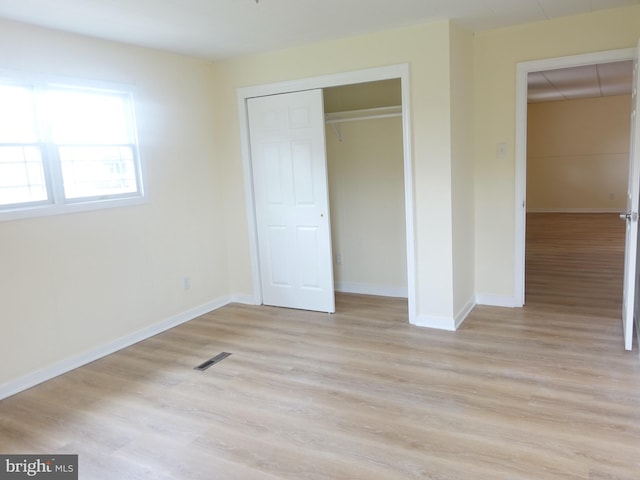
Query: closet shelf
x=364, y=114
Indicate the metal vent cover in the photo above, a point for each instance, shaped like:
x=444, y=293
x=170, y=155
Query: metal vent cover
x=212, y=361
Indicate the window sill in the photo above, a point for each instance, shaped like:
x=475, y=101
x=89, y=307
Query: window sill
x=66, y=208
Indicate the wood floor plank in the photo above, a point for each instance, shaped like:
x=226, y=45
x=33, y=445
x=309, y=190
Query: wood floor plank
x=542, y=392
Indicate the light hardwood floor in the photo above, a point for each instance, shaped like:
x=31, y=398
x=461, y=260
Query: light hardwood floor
x=543, y=392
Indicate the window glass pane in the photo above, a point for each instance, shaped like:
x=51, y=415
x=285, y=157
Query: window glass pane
x=78, y=117
x=98, y=171
x=17, y=116
x=22, y=177
x=63, y=144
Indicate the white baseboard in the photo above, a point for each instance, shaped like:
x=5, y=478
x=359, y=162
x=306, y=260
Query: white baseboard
x=496, y=300
x=464, y=313
x=433, y=321
x=450, y=324
x=575, y=210
x=64, y=366
x=245, y=299
x=370, y=289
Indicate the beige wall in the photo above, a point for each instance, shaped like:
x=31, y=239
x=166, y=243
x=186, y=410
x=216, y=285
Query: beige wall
x=72, y=283
x=578, y=154
x=366, y=194
x=496, y=54
x=462, y=171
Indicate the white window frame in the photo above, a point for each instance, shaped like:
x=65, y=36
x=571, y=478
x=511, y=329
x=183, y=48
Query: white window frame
x=57, y=204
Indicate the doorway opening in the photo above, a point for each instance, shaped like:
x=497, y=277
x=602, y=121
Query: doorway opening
x=522, y=96
x=397, y=73
x=578, y=137
x=564, y=71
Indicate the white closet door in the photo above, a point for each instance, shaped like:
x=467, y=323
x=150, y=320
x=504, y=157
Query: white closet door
x=291, y=200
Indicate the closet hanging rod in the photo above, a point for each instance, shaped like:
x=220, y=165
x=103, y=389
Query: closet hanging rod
x=364, y=114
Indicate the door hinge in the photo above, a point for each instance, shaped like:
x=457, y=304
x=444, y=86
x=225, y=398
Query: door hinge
x=630, y=216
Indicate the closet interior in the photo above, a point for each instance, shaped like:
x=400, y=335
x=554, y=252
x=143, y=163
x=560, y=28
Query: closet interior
x=364, y=136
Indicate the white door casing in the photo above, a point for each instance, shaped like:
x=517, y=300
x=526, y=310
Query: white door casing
x=631, y=216
x=400, y=71
x=288, y=155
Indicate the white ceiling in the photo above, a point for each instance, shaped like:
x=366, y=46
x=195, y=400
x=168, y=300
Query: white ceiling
x=601, y=80
x=217, y=29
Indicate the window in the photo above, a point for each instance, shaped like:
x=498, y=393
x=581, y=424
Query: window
x=66, y=148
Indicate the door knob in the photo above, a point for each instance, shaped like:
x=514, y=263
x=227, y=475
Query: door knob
x=628, y=216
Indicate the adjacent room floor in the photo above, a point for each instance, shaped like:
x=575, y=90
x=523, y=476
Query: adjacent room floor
x=575, y=260
x=542, y=392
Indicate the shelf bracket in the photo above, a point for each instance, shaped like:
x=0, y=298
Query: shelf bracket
x=337, y=128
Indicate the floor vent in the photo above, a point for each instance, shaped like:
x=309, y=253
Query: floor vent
x=212, y=361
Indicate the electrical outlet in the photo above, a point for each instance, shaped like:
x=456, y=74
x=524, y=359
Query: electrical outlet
x=339, y=258
x=186, y=282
